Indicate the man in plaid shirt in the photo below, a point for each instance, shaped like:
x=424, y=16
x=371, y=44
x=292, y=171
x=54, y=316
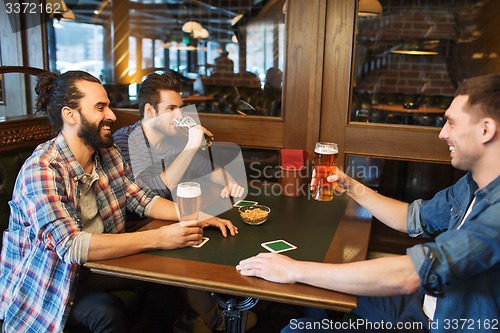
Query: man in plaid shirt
x=68, y=207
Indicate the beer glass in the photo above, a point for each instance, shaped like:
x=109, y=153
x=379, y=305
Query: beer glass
x=188, y=201
x=185, y=123
x=325, y=161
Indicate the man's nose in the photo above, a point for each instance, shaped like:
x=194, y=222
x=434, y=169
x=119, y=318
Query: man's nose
x=110, y=115
x=178, y=113
x=443, y=134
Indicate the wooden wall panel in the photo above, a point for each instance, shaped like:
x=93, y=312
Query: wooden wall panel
x=337, y=70
x=303, y=72
x=401, y=143
x=261, y=132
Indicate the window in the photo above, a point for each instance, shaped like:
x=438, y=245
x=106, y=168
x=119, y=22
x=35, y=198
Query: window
x=82, y=53
x=410, y=59
x=235, y=51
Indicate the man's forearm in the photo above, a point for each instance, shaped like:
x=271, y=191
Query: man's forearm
x=105, y=246
x=389, y=211
x=164, y=209
x=378, y=277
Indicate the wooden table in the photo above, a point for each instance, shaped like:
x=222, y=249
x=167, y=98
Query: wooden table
x=335, y=232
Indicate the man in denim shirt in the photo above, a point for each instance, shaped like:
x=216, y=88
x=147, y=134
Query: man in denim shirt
x=449, y=284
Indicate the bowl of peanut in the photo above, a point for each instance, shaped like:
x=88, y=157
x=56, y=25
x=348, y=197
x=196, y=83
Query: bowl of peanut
x=254, y=215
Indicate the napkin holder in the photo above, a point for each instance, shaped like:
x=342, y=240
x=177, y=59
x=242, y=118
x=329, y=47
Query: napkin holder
x=293, y=175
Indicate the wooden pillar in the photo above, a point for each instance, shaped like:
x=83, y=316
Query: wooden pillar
x=121, y=33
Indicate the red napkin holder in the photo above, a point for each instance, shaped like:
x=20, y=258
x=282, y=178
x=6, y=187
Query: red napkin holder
x=293, y=172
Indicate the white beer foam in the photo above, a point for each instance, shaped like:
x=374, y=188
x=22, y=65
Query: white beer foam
x=188, y=192
x=325, y=150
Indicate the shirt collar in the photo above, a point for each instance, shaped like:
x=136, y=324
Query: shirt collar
x=75, y=169
x=492, y=188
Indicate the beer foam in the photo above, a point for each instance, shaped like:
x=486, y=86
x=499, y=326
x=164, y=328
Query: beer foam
x=324, y=149
x=188, y=191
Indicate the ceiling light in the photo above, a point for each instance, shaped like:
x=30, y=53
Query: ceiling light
x=202, y=33
x=369, y=8
x=236, y=19
x=60, y=10
x=414, y=52
x=417, y=48
x=191, y=26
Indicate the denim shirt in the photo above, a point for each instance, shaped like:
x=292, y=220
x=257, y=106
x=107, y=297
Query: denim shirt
x=461, y=267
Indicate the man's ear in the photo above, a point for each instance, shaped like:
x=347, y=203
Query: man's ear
x=69, y=115
x=149, y=110
x=490, y=129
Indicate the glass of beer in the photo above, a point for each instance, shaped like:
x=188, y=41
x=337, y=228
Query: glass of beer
x=325, y=161
x=185, y=123
x=188, y=201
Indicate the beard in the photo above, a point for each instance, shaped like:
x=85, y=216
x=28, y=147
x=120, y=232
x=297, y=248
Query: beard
x=91, y=134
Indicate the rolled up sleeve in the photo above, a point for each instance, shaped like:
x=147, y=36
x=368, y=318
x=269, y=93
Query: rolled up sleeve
x=423, y=260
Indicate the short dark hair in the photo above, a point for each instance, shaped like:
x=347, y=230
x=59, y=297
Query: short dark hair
x=149, y=91
x=57, y=91
x=484, y=92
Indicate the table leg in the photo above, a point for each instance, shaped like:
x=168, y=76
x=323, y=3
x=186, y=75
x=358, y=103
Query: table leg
x=235, y=312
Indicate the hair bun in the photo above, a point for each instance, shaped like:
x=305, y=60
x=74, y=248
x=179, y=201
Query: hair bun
x=43, y=89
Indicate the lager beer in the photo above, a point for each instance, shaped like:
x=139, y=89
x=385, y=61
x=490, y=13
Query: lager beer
x=325, y=161
x=189, y=200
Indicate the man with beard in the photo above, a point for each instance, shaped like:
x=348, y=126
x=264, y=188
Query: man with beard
x=68, y=206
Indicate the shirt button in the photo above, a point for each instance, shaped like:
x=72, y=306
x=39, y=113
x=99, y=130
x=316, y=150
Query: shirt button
x=71, y=303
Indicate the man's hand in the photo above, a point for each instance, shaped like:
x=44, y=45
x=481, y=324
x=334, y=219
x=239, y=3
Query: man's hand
x=196, y=136
x=269, y=266
x=232, y=189
x=177, y=235
x=342, y=182
x=213, y=221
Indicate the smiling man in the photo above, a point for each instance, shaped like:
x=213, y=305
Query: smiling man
x=448, y=284
x=68, y=206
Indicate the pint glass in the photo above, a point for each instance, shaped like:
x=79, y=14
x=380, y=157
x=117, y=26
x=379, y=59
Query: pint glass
x=325, y=161
x=189, y=201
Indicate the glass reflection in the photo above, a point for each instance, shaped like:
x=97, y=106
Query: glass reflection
x=231, y=55
x=410, y=59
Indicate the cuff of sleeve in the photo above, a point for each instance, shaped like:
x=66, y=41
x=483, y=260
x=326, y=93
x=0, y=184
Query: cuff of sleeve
x=423, y=261
x=150, y=205
x=413, y=219
x=417, y=255
x=79, y=249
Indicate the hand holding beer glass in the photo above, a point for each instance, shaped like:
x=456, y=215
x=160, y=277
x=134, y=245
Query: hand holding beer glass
x=188, y=202
x=185, y=123
x=325, y=162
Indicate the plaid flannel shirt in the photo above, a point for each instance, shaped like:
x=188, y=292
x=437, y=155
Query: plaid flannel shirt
x=36, y=286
